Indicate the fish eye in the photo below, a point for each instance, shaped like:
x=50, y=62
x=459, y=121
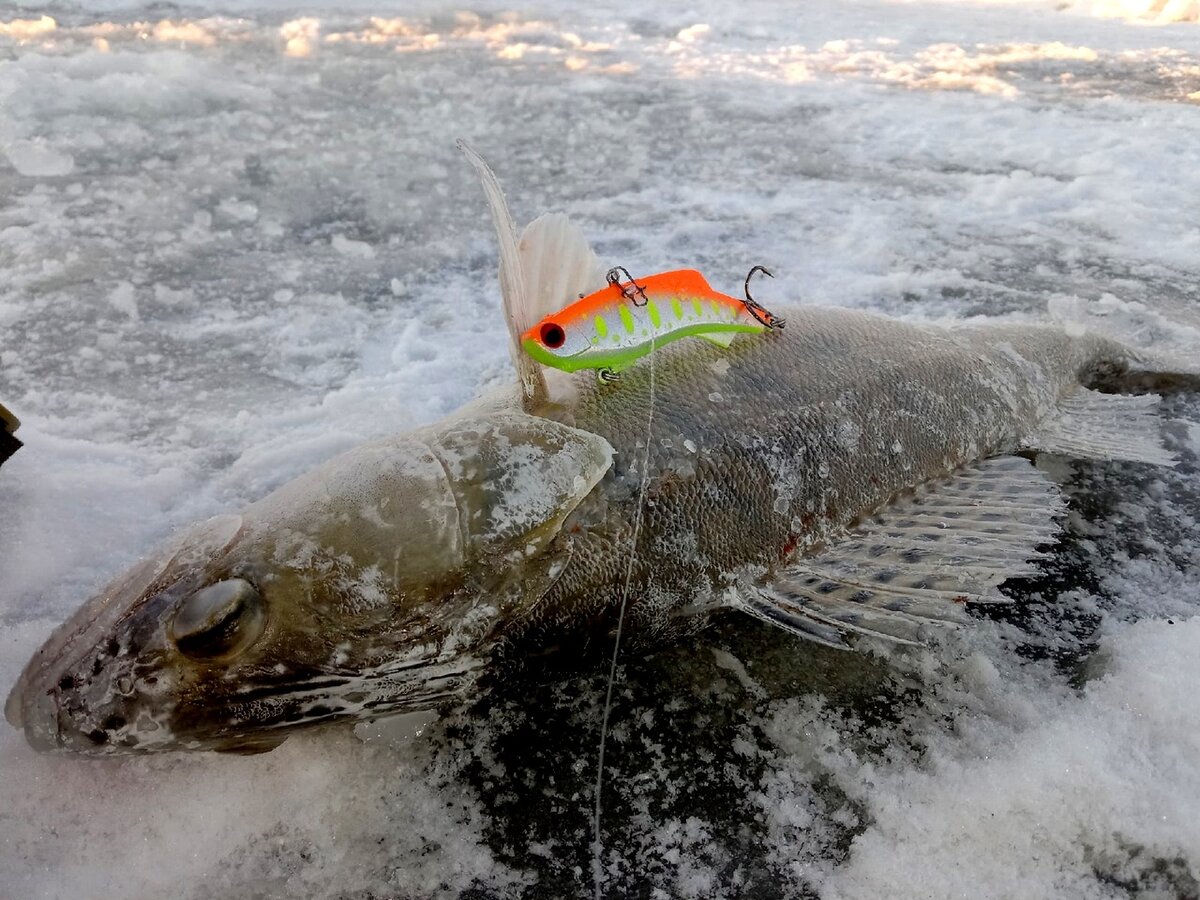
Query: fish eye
x=553, y=335
x=218, y=621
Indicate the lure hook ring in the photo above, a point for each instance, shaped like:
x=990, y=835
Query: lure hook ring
x=632, y=291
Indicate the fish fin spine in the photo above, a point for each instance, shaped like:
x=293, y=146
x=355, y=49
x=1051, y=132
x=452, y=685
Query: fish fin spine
x=519, y=313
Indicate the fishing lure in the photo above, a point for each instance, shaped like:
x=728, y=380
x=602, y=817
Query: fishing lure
x=611, y=328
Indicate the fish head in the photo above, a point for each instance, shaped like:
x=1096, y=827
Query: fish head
x=376, y=583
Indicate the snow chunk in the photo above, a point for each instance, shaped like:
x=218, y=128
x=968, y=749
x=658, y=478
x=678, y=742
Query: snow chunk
x=124, y=299
x=238, y=210
x=35, y=159
x=352, y=248
x=183, y=33
x=300, y=35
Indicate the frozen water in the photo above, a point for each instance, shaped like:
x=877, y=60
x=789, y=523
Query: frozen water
x=237, y=240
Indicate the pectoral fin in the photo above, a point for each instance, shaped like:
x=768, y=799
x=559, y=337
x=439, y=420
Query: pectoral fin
x=919, y=560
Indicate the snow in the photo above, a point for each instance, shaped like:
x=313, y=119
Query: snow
x=1064, y=799
x=236, y=240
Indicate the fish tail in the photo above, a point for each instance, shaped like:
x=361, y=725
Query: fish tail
x=1134, y=355
x=1162, y=339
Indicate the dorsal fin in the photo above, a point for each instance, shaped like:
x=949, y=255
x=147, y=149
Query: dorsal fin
x=516, y=299
x=557, y=265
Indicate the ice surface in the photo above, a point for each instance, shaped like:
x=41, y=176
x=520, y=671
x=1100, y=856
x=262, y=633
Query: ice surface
x=236, y=240
x=1063, y=800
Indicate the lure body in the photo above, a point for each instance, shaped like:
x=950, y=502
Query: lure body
x=613, y=327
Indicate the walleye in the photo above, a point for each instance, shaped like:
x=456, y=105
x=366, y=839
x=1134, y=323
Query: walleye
x=853, y=475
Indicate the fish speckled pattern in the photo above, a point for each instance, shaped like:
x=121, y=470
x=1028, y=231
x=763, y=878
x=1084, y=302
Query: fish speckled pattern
x=387, y=579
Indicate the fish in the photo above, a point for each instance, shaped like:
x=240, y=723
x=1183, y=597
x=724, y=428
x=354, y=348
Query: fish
x=611, y=328
x=853, y=478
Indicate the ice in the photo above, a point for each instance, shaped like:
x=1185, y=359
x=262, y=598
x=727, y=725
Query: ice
x=1055, y=803
x=236, y=239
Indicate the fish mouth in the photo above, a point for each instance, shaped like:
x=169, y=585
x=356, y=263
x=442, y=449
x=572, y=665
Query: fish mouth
x=41, y=717
x=55, y=721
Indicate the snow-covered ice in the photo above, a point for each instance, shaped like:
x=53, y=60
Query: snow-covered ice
x=236, y=240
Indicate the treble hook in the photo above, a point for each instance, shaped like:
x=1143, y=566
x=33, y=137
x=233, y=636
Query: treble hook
x=760, y=313
x=630, y=292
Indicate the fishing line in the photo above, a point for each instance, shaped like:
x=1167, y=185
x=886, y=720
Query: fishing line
x=597, y=845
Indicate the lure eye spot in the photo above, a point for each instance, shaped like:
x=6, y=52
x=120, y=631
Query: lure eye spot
x=553, y=335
